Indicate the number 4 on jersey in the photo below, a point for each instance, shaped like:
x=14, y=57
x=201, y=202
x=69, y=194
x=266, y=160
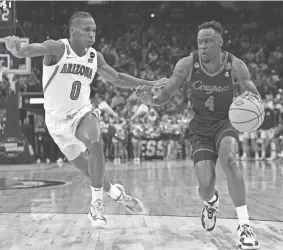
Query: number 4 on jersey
x=210, y=103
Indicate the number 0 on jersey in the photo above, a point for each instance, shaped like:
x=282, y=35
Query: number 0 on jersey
x=76, y=89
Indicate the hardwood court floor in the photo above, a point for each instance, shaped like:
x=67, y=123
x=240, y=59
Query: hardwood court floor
x=55, y=217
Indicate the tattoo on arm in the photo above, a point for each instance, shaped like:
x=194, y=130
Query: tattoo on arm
x=175, y=82
x=242, y=76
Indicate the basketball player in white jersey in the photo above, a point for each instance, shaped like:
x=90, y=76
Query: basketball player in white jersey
x=69, y=66
x=211, y=74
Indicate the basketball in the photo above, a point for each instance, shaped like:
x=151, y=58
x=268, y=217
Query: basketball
x=246, y=114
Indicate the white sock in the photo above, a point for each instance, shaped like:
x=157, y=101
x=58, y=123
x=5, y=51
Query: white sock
x=213, y=199
x=97, y=194
x=114, y=192
x=243, y=215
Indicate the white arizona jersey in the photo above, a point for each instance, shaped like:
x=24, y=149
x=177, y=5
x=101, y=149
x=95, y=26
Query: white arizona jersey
x=66, y=85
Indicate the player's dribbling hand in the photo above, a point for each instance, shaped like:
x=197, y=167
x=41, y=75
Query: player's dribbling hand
x=12, y=42
x=248, y=94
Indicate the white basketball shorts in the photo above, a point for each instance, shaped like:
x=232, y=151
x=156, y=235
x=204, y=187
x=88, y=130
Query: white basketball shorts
x=63, y=131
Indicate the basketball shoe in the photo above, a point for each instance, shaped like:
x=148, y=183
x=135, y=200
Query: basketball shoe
x=131, y=204
x=209, y=213
x=247, y=238
x=96, y=215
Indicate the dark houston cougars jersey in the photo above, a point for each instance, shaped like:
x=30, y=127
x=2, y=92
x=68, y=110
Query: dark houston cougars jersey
x=211, y=94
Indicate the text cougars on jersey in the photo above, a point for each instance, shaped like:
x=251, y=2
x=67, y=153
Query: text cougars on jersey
x=208, y=88
x=77, y=69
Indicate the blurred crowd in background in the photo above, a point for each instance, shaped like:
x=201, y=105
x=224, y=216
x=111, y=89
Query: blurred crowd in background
x=146, y=40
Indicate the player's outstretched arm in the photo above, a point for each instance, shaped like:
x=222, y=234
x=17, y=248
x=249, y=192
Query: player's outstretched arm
x=49, y=47
x=180, y=73
x=242, y=76
x=119, y=79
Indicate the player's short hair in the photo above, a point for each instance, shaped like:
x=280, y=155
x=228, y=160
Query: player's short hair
x=77, y=14
x=213, y=25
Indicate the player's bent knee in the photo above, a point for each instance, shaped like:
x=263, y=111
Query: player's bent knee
x=227, y=154
x=228, y=146
x=227, y=159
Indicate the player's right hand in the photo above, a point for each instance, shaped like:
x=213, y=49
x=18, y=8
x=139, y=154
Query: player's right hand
x=12, y=42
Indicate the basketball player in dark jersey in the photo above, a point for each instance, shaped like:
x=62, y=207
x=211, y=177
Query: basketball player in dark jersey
x=212, y=74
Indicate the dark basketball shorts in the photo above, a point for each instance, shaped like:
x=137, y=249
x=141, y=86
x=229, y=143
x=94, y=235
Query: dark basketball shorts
x=205, y=138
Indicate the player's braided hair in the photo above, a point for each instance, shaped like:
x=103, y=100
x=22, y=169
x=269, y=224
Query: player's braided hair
x=75, y=15
x=213, y=25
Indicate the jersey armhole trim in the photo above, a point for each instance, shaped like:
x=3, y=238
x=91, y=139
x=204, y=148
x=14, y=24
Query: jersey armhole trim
x=51, y=78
